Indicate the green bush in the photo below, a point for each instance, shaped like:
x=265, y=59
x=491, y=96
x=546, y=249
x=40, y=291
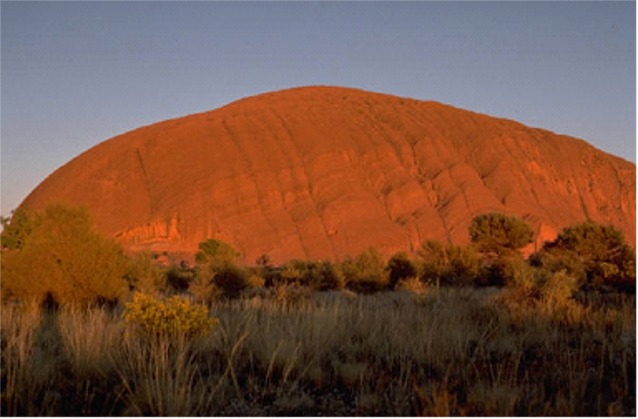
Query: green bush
x=464, y=266
x=527, y=281
x=16, y=229
x=231, y=281
x=498, y=233
x=595, y=254
x=170, y=317
x=449, y=265
x=559, y=289
x=145, y=276
x=560, y=261
x=317, y=275
x=400, y=267
x=292, y=273
x=203, y=290
x=432, y=262
x=326, y=277
x=500, y=271
x=412, y=285
x=218, y=272
x=533, y=286
x=179, y=278
x=366, y=273
x=216, y=255
x=62, y=257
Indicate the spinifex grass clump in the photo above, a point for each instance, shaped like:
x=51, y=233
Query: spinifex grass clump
x=160, y=374
x=167, y=317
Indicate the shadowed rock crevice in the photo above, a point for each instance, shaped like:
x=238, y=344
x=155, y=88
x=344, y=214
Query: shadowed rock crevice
x=147, y=183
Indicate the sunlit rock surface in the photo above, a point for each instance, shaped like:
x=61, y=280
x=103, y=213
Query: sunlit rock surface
x=325, y=172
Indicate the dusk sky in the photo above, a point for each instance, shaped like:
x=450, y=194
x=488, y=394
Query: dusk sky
x=75, y=74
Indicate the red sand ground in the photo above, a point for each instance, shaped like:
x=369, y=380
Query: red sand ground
x=325, y=172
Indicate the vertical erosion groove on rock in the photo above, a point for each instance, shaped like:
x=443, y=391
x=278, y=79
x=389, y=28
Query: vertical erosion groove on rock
x=326, y=172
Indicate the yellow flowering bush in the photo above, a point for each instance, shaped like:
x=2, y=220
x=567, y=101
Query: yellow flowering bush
x=171, y=316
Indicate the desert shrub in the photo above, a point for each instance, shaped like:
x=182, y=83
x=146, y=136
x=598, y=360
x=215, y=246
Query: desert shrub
x=498, y=233
x=231, y=281
x=63, y=257
x=255, y=281
x=412, y=284
x=218, y=273
x=327, y=277
x=318, y=275
x=291, y=295
x=557, y=261
x=498, y=237
x=536, y=285
x=271, y=275
x=558, y=289
x=16, y=229
x=464, y=265
x=501, y=271
x=399, y=268
x=216, y=255
x=449, y=265
x=202, y=290
x=179, y=278
x=168, y=317
x=595, y=254
x=292, y=272
x=145, y=276
x=366, y=272
x=322, y=276
x=526, y=281
x=264, y=269
x=432, y=261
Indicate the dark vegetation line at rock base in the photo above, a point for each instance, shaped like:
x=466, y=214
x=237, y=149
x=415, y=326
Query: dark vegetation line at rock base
x=56, y=253
x=466, y=330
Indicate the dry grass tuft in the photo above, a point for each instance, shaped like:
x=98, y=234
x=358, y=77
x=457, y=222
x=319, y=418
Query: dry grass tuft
x=443, y=352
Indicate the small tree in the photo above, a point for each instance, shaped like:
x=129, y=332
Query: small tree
x=179, y=277
x=433, y=261
x=501, y=271
x=499, y=234
x=447, y=265
x=318, y=275
x=597, y=250
x=61, y=256
x=590, y=241
x=16, y=229
x=216, y=254
x=400, y=267
x=464, y=265
x=366, y=272
x=499, y=237
x=219, y=271
x=145, y=276
x=231, y=281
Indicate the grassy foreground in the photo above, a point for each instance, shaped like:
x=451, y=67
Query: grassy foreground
x=457, y=351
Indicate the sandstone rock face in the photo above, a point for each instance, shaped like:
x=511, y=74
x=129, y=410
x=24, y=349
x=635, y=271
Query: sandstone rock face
x=325, y=172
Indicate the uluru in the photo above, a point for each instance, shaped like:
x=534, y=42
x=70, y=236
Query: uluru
x=326, y=172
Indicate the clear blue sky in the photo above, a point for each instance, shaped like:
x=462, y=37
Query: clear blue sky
x=75, y=74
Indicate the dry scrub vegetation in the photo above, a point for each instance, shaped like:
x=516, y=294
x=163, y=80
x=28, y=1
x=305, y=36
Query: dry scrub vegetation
x=441, y=352
x=474, y=330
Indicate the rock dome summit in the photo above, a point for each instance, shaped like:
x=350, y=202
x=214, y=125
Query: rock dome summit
x=326, y=172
